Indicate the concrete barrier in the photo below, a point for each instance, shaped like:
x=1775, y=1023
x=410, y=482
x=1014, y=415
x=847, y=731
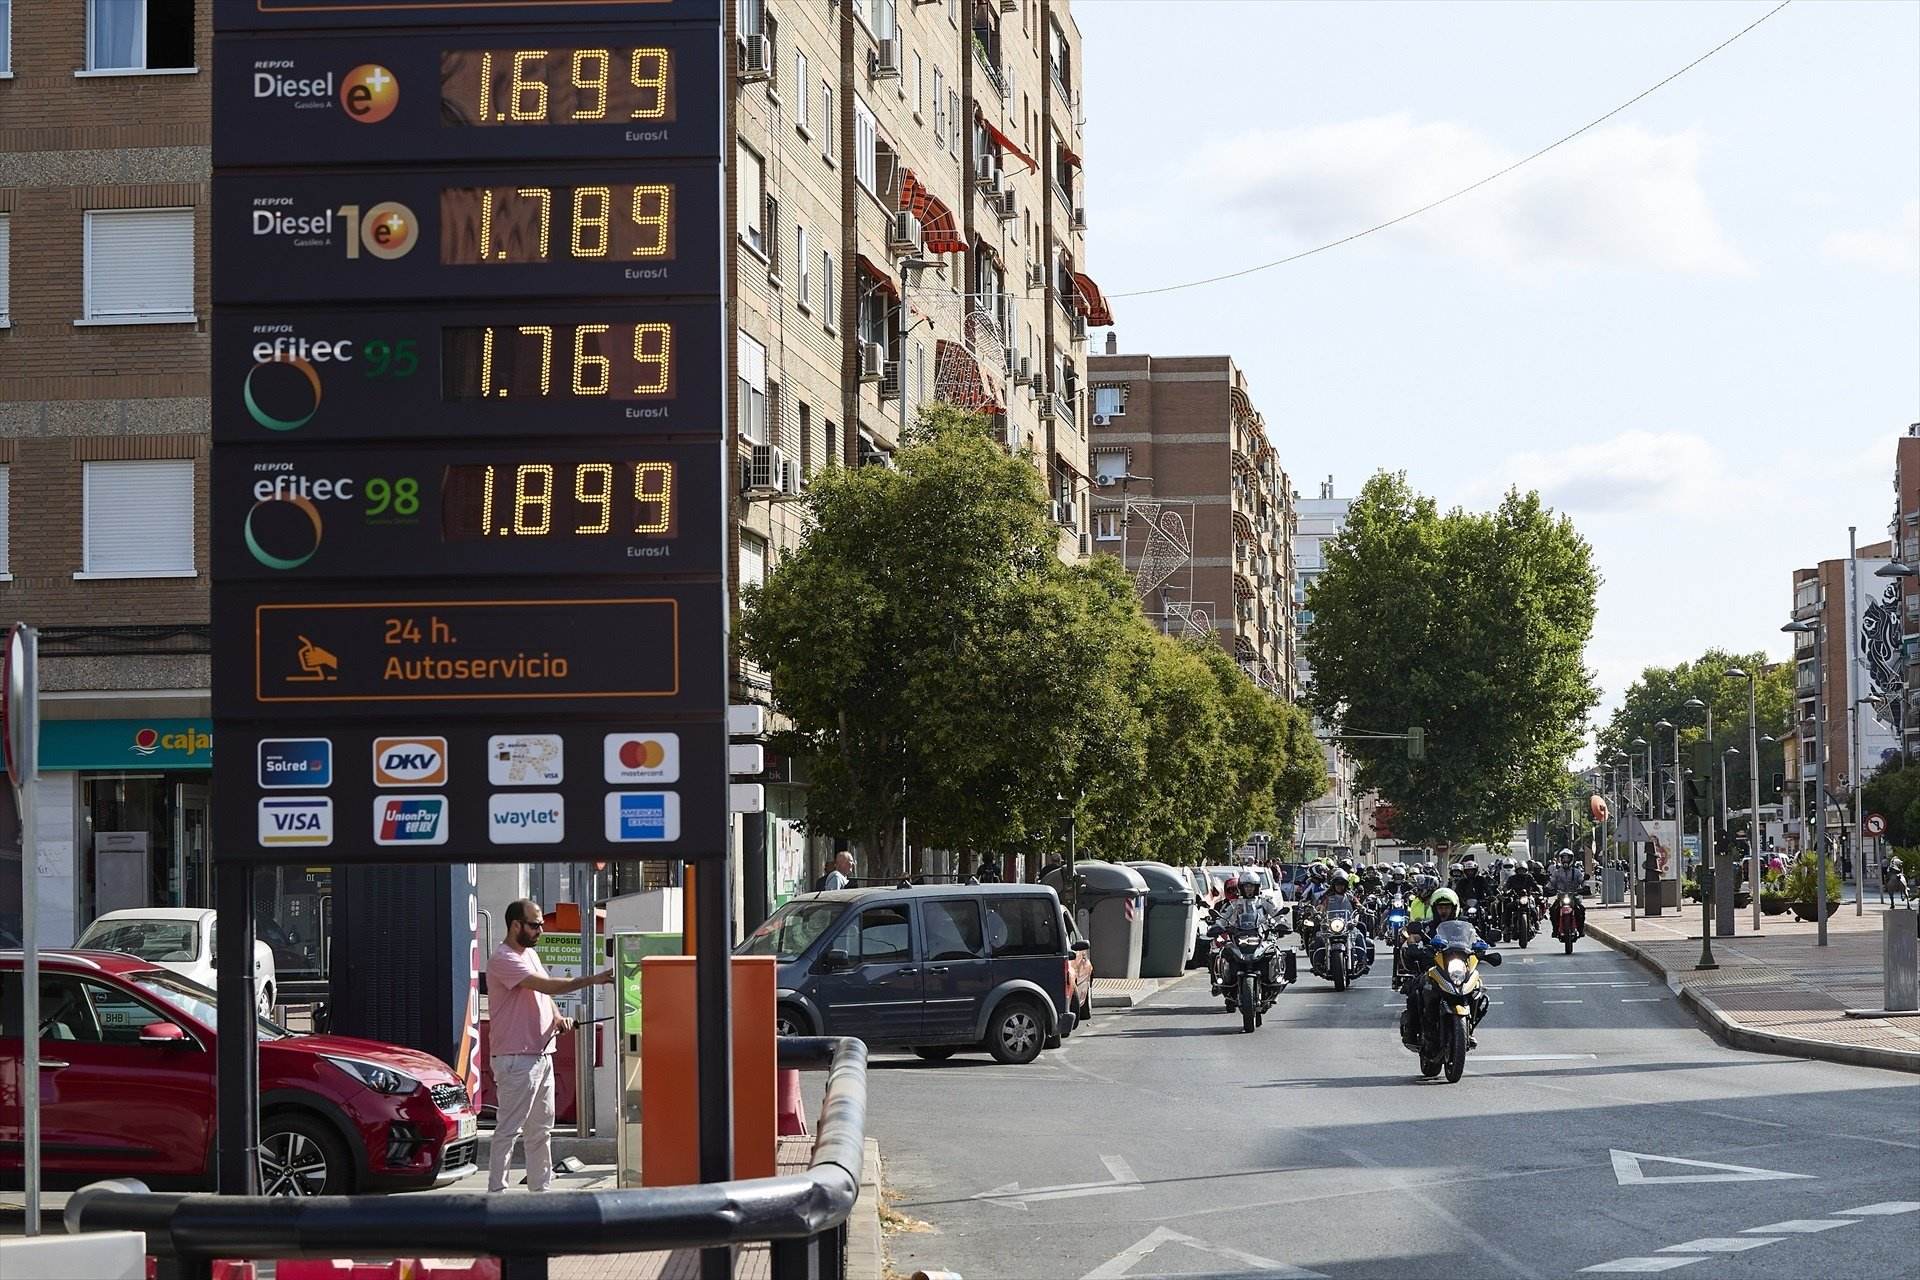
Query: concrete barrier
x=101, y=1255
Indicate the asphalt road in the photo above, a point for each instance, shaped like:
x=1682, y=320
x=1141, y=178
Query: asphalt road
x=1161, y=1141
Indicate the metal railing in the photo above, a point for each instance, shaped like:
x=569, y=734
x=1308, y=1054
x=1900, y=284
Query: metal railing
x=802, y=1216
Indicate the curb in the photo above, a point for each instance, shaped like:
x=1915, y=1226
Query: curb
x=866, y=1257
x=1128, y=999
x=1737, y=1035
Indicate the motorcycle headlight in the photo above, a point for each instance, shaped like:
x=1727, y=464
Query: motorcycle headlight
x=1336, y=926
x=380, y=1079
x=1457, y=971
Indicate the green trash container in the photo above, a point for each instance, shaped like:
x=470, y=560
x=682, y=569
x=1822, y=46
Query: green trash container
x=1171, y=907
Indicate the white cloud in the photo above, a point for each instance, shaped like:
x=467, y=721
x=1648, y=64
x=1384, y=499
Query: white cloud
x=1620, y=197
x=1667, y=471
x=1894, y=248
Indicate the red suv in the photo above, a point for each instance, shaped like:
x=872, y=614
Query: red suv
x=127, y=1090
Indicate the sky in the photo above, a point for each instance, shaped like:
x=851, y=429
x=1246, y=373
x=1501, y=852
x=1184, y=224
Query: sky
x=1694, y=329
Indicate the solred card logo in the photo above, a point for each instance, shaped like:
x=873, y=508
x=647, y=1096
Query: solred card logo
x=409, y=762
x=369, y=93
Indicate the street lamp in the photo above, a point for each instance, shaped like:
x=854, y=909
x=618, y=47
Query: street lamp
x=1643, y=746
x=1800, y=627
x=1753, y=790
x=1704, y=875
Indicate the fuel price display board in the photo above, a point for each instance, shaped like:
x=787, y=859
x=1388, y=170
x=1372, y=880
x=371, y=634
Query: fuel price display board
x=468, y=483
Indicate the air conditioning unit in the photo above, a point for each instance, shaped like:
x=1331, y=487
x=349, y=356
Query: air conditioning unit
x=890, y=380
x=1006, y=208
x=1036, y=277
x=903, y=233
x=1080, y=218
x=987, y=176
x=1026, y=370
x=1037, y=383
x=756, y=59
x=1101, y=420
x=872, y=456
x=763, y=472
x=1079, y=328
x=1047, y=404
x=886, y=60
x=1063, y=513
x=1009, y=6
x=791, y=483
x=873, y=361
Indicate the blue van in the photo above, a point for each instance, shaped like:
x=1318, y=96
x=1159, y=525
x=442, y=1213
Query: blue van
x=934, y=968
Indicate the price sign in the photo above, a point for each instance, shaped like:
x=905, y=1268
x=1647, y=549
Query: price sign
x=469, y=514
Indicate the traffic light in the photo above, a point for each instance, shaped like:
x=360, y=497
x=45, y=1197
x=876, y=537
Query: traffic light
x=1779, y=786
x=1699, y=797
x=1416, y=743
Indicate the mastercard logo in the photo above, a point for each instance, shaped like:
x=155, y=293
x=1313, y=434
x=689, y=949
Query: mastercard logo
x=642, y=757
x=369, y=93
x=642, y=753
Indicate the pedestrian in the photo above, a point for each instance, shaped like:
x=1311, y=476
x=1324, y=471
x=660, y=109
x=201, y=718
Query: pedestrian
x=1893, y=885
x=988, y=872
x=837, y=876
x=523, y=1026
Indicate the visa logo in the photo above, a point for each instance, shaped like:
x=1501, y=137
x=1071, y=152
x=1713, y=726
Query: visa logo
x=306, y=821
x=409, y=762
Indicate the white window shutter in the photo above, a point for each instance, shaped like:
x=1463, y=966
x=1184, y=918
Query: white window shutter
x=139, y=263
x=139, y=517
x=6, y=256
x=6, y=517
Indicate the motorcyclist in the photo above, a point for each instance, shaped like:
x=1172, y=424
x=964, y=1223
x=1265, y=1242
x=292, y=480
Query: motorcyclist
x=1470, y=883
x=1248, y=906
x=1419, y=906
x=1419, y=955
x=1339, y=896
x=1566, y=878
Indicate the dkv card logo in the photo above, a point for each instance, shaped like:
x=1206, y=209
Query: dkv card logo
x=367, y=94
x=409, y=762
x=409, y=819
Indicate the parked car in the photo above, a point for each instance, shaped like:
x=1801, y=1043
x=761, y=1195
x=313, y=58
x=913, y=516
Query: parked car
x=127, y=1067
x=934, y=968
x=176, y=938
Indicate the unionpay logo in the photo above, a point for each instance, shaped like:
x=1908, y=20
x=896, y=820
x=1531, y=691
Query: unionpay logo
x=642, y=757
x=296, y=762
x=409, y=762
x=304, y=821
x=409, y=819
x=635, y=817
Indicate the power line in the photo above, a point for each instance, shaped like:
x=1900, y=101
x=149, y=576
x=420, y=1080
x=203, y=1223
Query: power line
x=1492, y=177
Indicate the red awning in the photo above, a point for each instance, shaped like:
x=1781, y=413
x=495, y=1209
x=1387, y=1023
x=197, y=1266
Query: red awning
x=959, y=381
x=938, y=231
x=879, y=276
x=1089, y=301
x=1071, y=156
x=984, y=249
x=1006, y=143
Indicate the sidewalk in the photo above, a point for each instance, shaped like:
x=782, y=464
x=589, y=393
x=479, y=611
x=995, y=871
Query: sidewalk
x=1124, y=993
x=1775, y=991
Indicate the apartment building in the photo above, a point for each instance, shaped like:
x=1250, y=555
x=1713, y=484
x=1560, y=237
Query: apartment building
x=1190, y=495
x=1861, y=680
x=103, y=444
x=910, y=227
x=1903, y=533
x=1335, y=823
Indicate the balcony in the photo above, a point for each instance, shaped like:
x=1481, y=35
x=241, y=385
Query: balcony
x=995, y=76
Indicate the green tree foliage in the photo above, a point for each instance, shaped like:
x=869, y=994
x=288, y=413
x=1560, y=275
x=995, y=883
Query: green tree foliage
x=940, y=664
x=1471, y=625
x=1894, y=793
x=1662, y=692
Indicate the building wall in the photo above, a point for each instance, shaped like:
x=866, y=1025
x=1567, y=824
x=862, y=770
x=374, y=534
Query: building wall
x=1820, y=594
x=1903, y=532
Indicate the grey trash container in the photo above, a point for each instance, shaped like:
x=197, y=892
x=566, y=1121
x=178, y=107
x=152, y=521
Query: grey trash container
x=1171, y=920
x=1111, y=913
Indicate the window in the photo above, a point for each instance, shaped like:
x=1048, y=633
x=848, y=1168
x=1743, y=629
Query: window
x=919, y=83
x=1109, y=466
x=1022, y=927
x=829, y=292
x=885, y=936
x=866, y=147
x=803, y=108
x=953, y=929
x=953, y=121
x=750, y=198
x=6, y=37
x=6, y=242
x=830, y=439
x=807, y=462
x=751, y=17
x=753, y=560
x=940, y=108
x=1109, y=402
x=878, y=15
x=753, y=391
x=140, y=35
x=803, y=263
x=6, y=510
x=139, y=267
x=1059, y=59
x=119, y=1016
x=138, y=520
x=1106, y=525
x=829, y=123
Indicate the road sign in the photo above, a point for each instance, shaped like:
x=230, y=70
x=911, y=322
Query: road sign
x=20, y=706
x=1875, y=824
x=469, y=479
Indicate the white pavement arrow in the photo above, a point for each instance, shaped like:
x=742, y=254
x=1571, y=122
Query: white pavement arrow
x=1119, y=1267
x=1009, y=1195
x=1626, y=1168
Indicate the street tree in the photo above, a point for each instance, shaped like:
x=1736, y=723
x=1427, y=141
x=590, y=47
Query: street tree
x=1471, y=625
x=1661, y=693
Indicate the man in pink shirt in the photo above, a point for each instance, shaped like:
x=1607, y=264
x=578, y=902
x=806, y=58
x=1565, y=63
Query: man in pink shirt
x=522, y=1028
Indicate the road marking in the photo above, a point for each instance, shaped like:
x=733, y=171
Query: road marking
x=1643, y=999
x=1801, y=1226
x=1885, y=1207
x=1532, y=1057
x=1728, y=1115
x=1010, y=1196
x=1722, y=1244
x=1643, y=1264
x=1627, y=1171
x=1563, y=1002
x=1119, y=1267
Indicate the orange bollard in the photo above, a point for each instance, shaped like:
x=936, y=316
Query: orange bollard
x=228, y=1269
x=455, y=1269
x=792, y=1116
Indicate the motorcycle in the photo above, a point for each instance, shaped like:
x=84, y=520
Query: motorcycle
x=1339, y=949
x=1449, y=996
x=1566, y=921
x=1522, y=920
x=1483, y=921
x=1249, y=970
x=1398, y=917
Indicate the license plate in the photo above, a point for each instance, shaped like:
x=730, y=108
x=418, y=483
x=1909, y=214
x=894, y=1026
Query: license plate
x=469, y=1125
